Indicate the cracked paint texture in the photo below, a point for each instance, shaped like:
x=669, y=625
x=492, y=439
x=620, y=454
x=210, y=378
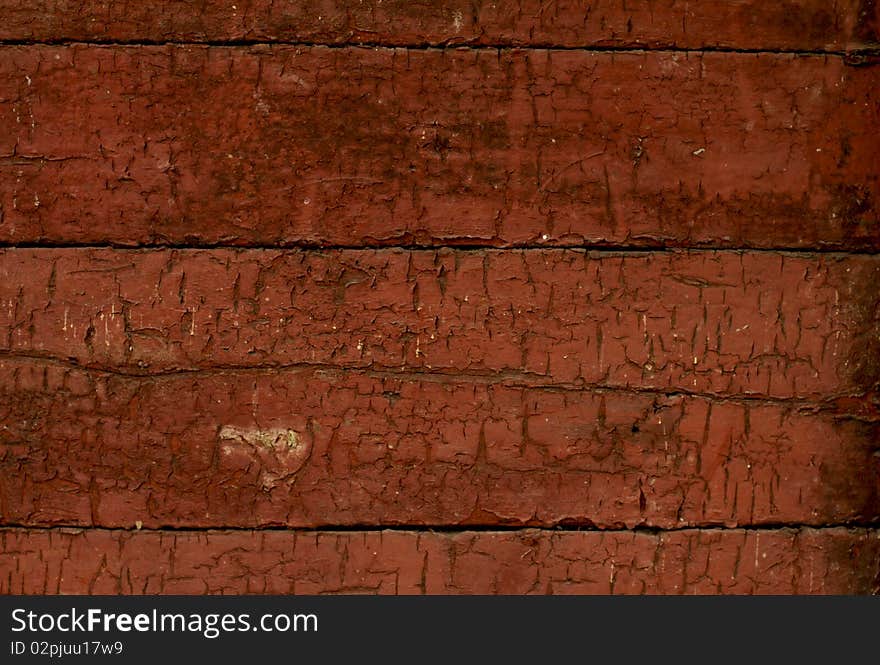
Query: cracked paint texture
x=388, y=296
x=204, y=145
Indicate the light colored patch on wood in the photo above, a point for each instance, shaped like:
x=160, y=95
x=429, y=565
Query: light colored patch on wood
x=279, y=452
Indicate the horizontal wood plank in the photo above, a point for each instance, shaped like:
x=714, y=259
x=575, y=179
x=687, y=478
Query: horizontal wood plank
x=802, y=561
x=726, y=323
x=742, y=24
x=351, y=147
x=317, y=448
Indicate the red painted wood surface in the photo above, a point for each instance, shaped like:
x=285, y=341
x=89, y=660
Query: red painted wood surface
x=439, y=297
x=726, y=323
x=784, y=561
x=307, y=448
x=292, y=145
x=734, y=24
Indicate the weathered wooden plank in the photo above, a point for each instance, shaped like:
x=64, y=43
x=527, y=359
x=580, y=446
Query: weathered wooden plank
x=313, y=448
x=741, y=24
x=284, y=145
x=802, y=561
x=727, y=323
